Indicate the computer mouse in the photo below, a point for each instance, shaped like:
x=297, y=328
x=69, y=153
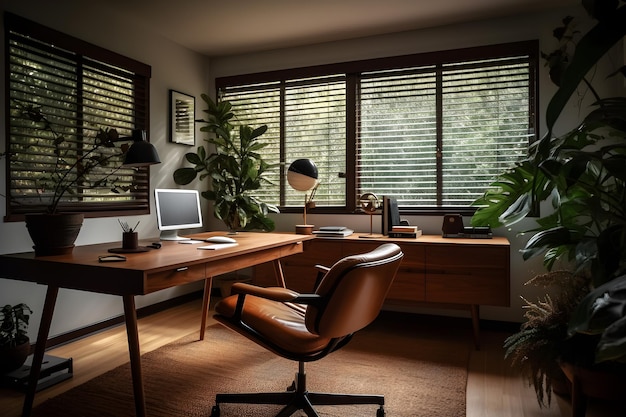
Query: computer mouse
x=220, y=239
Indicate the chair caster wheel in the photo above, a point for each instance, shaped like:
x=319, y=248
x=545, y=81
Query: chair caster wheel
x=215, y=411
x=380, y=412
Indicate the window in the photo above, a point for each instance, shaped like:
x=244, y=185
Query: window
x=80, y=88
x=433, y=130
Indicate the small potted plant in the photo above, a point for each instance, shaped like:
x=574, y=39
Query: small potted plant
x=544, y=337
x=14, y=341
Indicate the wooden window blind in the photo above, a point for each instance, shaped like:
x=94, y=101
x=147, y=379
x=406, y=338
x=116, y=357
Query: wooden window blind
x=438, y=136
x=432, y=130
x=80, y=88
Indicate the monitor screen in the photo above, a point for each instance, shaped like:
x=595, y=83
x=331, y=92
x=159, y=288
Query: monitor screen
x=177, y=210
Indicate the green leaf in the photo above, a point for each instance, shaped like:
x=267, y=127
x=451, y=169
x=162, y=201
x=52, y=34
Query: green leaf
x=194, y=158
x=589, y=49
x=602, y=311
x=612, y=344
x=184, y=176
x=545, y=239
x=507, y=200
x=258, y=131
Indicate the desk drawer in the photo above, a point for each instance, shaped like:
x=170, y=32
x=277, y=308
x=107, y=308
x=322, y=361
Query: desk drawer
x=178, y=276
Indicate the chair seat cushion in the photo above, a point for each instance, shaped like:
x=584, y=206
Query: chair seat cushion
x=279, y=324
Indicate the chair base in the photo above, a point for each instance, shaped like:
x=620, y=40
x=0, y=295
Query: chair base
x=298, y=398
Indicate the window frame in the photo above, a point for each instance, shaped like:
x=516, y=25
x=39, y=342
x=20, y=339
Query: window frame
x=354, y=68
x=141, y=73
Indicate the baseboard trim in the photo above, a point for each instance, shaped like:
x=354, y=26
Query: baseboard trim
x=82, y=332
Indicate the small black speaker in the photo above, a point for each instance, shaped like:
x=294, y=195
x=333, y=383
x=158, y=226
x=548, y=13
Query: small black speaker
x=452, y=224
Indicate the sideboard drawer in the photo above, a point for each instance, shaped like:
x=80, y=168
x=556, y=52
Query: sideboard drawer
x=409, y=282
x=486, y=287
x=468, y=274
x=408, y=285
x=432, y=270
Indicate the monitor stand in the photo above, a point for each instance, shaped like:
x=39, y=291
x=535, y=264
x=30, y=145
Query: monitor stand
x=171, y=235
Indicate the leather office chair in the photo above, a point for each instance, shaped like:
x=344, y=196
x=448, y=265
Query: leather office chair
x=307, y=327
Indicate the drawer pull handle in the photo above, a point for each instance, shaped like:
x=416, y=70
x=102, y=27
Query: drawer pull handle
x=182, y=268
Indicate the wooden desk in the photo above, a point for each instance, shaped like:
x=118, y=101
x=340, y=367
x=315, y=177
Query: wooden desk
x=435, y=271
x=142, y=273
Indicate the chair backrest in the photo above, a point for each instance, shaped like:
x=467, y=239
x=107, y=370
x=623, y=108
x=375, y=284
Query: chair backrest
x=353, y=291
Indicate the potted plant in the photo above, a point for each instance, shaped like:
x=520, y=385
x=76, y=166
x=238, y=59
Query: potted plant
x=600, y=318
x=581, y=173
x=52, y=231
x=14, y=341
x=235, y=169
x=544, y=336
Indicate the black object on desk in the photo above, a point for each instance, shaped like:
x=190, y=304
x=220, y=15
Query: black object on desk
x=453, y=227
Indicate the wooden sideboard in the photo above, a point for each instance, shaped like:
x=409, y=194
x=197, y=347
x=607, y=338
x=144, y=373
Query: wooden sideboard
x=446, y=272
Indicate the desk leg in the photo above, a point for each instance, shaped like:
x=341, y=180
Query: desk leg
x=278, y=271
x=206, y=300
x=40, y=348
x=475, y=309
x=130, y=314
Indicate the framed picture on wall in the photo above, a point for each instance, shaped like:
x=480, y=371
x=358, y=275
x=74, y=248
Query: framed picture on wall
x=182, y=115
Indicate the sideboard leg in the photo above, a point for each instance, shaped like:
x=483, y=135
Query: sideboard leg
x=475, y=309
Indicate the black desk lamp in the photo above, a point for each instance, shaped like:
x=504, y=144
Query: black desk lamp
x=302, y=176
x=141, y=153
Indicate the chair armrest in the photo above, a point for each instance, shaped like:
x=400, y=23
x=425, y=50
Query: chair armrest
x=321, y=273
x=271, y=293
x=280, y=294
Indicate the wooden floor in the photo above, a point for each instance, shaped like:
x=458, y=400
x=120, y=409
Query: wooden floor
x=493, y=389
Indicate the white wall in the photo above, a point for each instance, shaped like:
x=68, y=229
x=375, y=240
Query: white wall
x=173, y=67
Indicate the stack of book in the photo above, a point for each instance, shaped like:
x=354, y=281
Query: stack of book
x=405, y=231
x=333, y=231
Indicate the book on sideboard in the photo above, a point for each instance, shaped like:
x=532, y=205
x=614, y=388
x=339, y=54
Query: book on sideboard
x=333, y=231
x=405, y=235
x=390, y=214
x=404, y=229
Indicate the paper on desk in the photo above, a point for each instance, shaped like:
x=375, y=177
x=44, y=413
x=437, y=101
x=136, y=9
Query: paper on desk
x=216, y=246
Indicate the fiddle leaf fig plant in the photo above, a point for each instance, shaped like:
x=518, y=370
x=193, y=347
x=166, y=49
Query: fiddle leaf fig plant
x=235, y=169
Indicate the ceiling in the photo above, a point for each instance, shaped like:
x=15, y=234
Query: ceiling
x=216, y=28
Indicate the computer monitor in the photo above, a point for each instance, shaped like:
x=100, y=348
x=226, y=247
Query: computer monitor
x=177, y=210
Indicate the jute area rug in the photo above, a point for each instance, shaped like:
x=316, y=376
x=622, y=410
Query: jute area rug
x=420, y=368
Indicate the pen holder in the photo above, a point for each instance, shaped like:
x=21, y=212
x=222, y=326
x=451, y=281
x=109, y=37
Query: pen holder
x=130, y=240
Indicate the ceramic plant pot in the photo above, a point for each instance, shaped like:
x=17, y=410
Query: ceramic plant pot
x=54, y=234
x=11, y=358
